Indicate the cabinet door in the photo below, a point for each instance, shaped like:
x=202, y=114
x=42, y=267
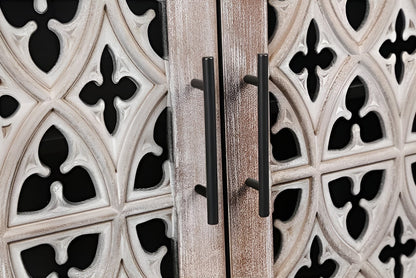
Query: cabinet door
x=89, y=184
x=243, y=28
x=342, y=133
x=192, y=29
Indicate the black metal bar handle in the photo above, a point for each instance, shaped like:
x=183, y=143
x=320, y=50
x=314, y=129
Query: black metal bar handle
x=211, y=190
x=262, y=184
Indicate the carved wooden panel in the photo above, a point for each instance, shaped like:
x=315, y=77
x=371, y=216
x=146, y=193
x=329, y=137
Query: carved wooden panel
x=84, y=170
x=343, y=137
x=84, y=176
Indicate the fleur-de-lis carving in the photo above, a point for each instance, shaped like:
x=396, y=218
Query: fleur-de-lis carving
x=108, y=91
x=317, y=269
x=341, y=193
x=312, y=60
x=44, y=45
x=398, y=47
x=40, y=260
x=398, y=250
x=76, y=185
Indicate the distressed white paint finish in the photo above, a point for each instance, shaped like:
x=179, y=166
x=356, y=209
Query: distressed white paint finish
x=75, y=41
x=377, y=101
x=394, y=104
x=288, y=118
x=326, y=39
x=60, y=242
x=379, y=269
x=357, y=41
x=388, y=23
x=10, y=125
x=293, y=231
x=326, y=252
x=29, y=164
x=289, y=14
x=377, y=208
x=150, y=262
x=47, y=99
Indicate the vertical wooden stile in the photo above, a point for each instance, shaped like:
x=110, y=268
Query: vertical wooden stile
x=192, y=34
x=244, y=35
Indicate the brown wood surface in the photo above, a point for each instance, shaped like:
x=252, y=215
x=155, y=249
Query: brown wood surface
x=244, y=35
x=192, y=34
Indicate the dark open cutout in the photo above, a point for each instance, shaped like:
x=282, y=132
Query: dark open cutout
x=155, y=31
x=414, y=124
x=108, y=91
x=285, y=144
x=398, y=47
x=44, y=46
x=150, y=170
x=288, y=142
x=152, y=236
x=286, y=206
x=312, y=60
x=357, y=11
x=370, y=125
x=325, y=269
x=413, y=166
x=77, y=184
x=398, y=250
x=271, y=21
x=39, y=261
x=341, y=193
x=8, y=106
x=277, y=243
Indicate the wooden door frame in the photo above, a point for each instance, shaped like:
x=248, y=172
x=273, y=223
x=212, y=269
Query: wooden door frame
x=192, y=34
x=244, y=35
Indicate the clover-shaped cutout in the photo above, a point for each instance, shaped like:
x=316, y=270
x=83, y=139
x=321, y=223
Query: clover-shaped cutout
x=370, y=126
x=40, y=260
x=44, y=44
x=76, y=185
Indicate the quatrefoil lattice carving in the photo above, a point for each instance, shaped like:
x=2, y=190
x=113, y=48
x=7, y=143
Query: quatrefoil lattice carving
x=344, y=129
x=41, y=15
x=394, y=49
x=398, y=47
x=47, y=184
x=359, y=134
x=360, y=118
x=314, y=234
x=59, y=185
x=71, y=158
x=311, y=60
x=108, y=91
x=399, y=249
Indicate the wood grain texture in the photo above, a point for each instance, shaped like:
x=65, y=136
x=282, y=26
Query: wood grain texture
x=243, y=37
x=192, y=35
